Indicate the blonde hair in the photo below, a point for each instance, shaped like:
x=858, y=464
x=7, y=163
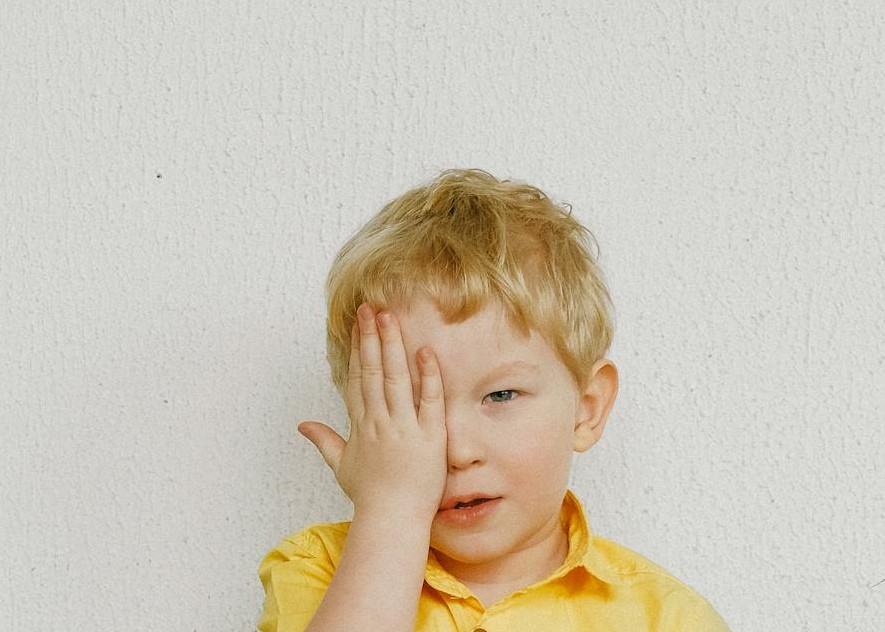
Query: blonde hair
x=467, y=239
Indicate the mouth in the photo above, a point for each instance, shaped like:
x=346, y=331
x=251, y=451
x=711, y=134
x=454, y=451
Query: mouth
x=468, y=512
x=471, y=503
x=468, y=502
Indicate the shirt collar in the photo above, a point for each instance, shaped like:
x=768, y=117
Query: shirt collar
x=582, y=554
x=581, y=550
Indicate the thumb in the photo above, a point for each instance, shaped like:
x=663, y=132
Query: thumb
x=327, y=441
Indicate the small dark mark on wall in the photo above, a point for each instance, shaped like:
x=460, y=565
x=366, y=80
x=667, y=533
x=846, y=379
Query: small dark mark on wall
x=159, y=176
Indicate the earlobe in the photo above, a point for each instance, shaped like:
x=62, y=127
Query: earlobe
x=595, y=404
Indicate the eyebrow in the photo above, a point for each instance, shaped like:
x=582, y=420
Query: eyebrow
x=510, y=367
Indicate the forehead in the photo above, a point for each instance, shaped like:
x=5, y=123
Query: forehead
x=423, y=323
x=485, y=342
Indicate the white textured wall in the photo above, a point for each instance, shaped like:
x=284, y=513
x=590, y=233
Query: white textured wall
x=175, y=178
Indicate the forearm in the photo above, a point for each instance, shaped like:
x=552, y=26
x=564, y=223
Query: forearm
x=393, y=468
x=378, y=580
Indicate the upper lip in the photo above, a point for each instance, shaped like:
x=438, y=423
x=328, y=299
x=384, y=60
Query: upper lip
x=449, y=503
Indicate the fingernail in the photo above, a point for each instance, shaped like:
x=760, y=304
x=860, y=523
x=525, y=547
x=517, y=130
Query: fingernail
x=384, y=319
x=364, y=312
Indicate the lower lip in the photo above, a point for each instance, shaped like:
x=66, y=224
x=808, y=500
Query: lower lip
x=468, y=516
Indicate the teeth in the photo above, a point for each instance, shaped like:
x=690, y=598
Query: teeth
x=472, y=503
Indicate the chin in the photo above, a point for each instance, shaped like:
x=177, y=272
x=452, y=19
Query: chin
x=468, y=549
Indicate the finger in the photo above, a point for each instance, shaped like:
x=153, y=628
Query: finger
x=431, y=403
x=327, y=441
x=397, y=380
x=353, y=391
x=371, y=369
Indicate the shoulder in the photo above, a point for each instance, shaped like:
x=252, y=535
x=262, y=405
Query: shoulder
x=313, y=540
x=675, y=605
x=631, y=566
x=317, y=545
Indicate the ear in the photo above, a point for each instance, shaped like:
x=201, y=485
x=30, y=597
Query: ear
x=595, y=403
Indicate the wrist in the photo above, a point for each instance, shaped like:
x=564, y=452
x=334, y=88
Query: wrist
x=392, y=540
x=395, y=515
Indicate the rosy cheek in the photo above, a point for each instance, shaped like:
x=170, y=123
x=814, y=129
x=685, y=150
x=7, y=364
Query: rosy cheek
x=540, y=449
x=536, y=458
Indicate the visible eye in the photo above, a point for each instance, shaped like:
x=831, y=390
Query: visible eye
x=501, y=396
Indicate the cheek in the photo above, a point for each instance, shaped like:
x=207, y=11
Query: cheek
x=541, y=452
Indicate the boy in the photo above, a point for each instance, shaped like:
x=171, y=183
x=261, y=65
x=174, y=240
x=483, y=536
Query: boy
x=467, y=330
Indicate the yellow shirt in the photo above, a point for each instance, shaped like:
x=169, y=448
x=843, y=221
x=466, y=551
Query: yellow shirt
x=601, y=586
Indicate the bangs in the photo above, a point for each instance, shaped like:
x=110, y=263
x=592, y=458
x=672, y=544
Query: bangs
x=450, y=274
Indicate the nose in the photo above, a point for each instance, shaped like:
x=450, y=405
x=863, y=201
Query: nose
x=465, y=447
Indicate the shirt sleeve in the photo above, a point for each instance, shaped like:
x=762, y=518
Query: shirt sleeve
x=683, y=610
x=706, y=619
x=295, y=576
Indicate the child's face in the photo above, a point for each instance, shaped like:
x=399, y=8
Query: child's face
x=514, y=416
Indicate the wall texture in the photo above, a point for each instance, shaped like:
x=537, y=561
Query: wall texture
x=175, y=178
